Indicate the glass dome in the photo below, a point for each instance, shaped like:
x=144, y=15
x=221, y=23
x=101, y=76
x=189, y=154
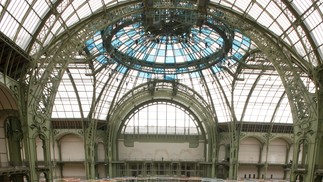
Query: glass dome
x=170, y=43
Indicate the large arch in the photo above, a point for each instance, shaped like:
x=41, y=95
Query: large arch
x=162, y=91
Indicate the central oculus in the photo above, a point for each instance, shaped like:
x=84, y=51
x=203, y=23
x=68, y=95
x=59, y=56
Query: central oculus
x=168, y=41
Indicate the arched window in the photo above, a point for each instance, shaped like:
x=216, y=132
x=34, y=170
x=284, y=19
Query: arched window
x=161, y=118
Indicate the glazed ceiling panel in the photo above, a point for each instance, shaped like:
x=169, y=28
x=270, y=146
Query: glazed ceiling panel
x=75, y=93
x=33, y=25
x=20, y=19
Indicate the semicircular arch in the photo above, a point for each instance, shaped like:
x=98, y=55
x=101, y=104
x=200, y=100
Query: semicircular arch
x=141, y=96
x=143, y=104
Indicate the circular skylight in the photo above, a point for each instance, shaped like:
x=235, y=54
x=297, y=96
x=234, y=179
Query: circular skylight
x=168, y=44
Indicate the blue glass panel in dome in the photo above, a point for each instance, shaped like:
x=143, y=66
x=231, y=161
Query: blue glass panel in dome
x=209, y=40
x=154, y=46
x=216, y=69
x=237, y=55
x=169, y=77
x=131, y=33
x=150, y=58
x=195, y=75
x=196, y=48
x=235, y=47
x=122, y=69
x=177, y=52
x=219, y=41
x=129, y=51
x=159, y=70
x=143, y=50
x=194, y=31
x=101, y=59
x=170, y=60
x=98, y=33
x=206, y=31
x=247, y=43
x=128, y=43
x=161, y=52
x=237, y=43
x=120, y=33
x=116, y=43
x=195, y=40
x=181, y=70
x=90, y=44
x=100, y=47
x=144, y=74
x=189, y=58
x=209, y=50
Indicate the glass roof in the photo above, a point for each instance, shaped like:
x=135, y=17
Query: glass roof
x=234, y=82
x=34, y=24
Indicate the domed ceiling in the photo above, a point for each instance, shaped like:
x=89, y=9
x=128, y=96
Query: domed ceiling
x=130, y=43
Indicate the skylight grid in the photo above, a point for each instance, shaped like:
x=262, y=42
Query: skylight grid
x=273, y=10
x=215, y=93
x=241, y=6
x=41, y=8
x=227, y=3
x=18, y=9
x=291, y=37
x=57, y=27
x=66, y=102
x=317, y=33
x=83, y=11
x=300, y=48
x=313, y=19
x=263, y=3
x=255, y=11
x=264, y=99
x=95, y=5
x=265, y=19
x=284, y=21
x=71, y=20
x=283, y=113
x=9, y=25
x=301, y=5
x=32, y=21
x=23, y=38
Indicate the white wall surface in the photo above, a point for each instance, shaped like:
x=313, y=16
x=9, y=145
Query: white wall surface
x=159, y=151
x=72, y=148
x=100, y=152
x=249, y=150
x=277, y=150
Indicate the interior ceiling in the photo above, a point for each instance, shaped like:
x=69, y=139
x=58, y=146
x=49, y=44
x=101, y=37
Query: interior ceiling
x=243, y=82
